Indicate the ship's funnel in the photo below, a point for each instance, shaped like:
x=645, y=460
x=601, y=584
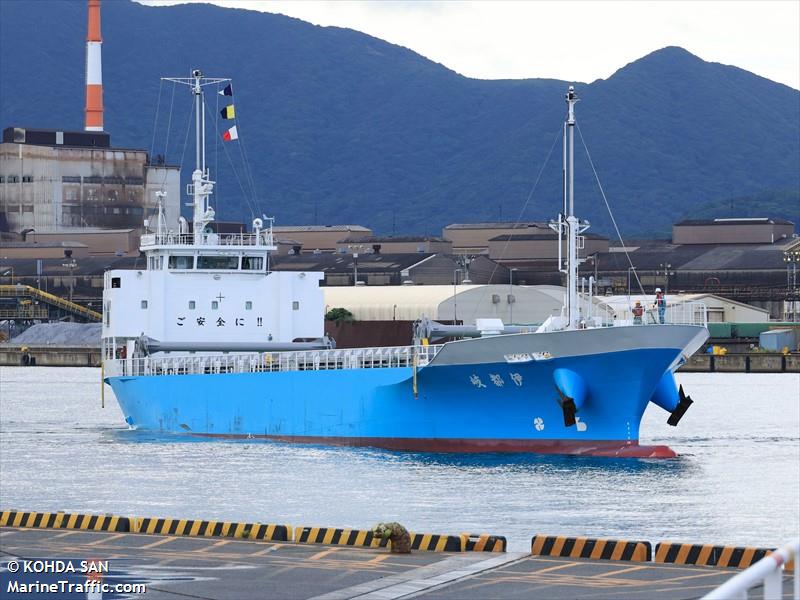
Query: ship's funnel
x=94, y=70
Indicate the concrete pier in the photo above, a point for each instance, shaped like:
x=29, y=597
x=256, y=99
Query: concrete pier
x=210, y=567
x=51, y=356
x=754, y=362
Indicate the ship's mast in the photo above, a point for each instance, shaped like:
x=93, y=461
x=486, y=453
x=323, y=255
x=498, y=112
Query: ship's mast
x=202, y=186
x=573, y=226
x=572, y=221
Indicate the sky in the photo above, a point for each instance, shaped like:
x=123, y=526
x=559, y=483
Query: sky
x=575, y=40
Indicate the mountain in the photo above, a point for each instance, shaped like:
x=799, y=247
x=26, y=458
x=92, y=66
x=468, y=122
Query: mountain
x=341, y=127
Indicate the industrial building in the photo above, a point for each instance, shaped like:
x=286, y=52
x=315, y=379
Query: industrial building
x=319, y=238
x=540, y=247
x=759, y=274
x=473, y=238
x=62, y=182
x=732, y=231
x=464, y=303
x=379, y=269
x=401, y=244
x=53, y=181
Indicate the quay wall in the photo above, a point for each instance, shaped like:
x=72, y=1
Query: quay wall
x=50, y=356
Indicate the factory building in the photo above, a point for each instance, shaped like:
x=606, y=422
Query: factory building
x=402, y=269
x=400, y=244
x=53, y=181
x=69, y=184
x=473, y=238
x=319, y=238
x=732, y=231
x=541, y=246
x=462, y=303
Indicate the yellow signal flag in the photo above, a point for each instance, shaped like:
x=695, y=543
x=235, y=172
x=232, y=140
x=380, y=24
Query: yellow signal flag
x=228, y=112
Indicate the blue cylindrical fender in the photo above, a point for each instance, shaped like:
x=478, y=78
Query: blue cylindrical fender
x=572, y=390
x=571, y=385
x=666, y=393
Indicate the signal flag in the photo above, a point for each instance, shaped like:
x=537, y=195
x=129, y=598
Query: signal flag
x=231, y=134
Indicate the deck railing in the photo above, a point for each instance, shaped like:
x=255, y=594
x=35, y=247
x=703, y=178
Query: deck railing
x=306, y=360
x=208, y=239
x=681, y=313
x=767, y=572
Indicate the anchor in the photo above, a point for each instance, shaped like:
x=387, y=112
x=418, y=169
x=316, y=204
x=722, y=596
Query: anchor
x=683, y=405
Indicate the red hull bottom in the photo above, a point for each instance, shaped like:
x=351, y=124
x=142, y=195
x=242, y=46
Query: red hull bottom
x=610, y=448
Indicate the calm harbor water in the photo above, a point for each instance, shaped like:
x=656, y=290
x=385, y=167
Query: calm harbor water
x=737, y=479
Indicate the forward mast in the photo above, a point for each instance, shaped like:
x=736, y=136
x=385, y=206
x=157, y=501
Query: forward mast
x=567, y=222
x=202, y=187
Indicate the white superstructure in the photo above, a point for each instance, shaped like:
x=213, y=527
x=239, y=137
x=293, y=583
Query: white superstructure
x=204, y=290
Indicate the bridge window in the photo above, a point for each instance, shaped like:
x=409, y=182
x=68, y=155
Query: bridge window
x=116, y=282
x=248, y=305
x=218, y=262
x=192, y=305
x=295, y=305
x=144, y=304
x=181, y=262
x=214, y=305
x=253, y=263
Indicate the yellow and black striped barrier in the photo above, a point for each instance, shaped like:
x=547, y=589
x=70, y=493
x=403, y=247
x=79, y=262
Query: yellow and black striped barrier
x=360, y=537
x=437, y=543
x=199, y=528
x=595, y=549
x=483, y=542
x=60, y=520
x=708, y=555
x=337, y=537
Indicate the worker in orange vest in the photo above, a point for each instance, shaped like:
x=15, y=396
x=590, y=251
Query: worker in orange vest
x=638, y=311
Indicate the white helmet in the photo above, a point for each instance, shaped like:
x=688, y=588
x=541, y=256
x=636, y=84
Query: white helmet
x=658, y=289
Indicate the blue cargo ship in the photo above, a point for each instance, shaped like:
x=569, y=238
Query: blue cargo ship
x=209, y=341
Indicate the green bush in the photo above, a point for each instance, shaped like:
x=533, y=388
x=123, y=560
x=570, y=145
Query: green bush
x=340, y=315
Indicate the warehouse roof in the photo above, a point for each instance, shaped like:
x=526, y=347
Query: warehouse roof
x=343, y=262
x=703, y=257
x=733, y=221
x=318, y=228
x=377, y=239
x=526, y=237
x=499, y=225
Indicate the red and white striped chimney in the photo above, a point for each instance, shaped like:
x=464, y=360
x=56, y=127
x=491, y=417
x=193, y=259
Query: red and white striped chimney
x=94, y=71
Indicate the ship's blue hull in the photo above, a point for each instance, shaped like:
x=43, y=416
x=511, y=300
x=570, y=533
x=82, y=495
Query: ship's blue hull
x=497, y=406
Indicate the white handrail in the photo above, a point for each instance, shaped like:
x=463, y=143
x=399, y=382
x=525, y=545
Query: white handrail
x=768, y=571
x=303, y=360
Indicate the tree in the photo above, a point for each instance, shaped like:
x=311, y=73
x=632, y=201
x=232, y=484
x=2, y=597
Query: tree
x=340, y=315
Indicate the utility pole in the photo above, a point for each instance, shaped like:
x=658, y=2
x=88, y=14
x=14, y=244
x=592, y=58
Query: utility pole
x=455, y=295
x=666, y=267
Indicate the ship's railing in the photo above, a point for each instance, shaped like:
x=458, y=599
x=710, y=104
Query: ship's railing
x=767, y=572
x=209, y=239
x=306, y=360
x=680, y=313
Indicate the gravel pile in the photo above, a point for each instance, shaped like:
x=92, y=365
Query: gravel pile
x=61, y=334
